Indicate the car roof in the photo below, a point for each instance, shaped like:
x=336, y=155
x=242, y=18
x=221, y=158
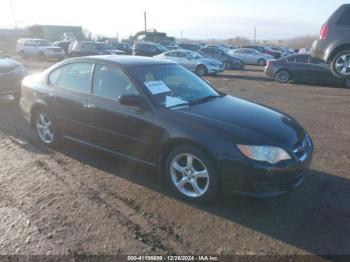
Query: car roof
x=123, y=61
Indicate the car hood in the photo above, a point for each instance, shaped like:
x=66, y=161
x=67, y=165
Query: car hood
x=7, y=65
x=247, y=122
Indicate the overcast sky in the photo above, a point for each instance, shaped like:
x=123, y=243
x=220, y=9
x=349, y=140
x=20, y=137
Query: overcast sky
x=274, y=19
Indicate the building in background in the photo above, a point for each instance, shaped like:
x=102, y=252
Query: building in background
x=56, y=32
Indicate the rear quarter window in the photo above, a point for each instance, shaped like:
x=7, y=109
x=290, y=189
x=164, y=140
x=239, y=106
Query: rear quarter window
x=344, y=19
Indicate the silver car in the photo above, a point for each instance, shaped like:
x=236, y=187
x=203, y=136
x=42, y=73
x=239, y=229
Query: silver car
x=194, y=62
x=251, y=56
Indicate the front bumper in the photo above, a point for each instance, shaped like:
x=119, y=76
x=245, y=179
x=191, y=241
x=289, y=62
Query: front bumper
x=215, y=69
x=259, y=179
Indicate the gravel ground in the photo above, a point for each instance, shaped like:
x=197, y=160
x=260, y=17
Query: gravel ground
x=75, y=200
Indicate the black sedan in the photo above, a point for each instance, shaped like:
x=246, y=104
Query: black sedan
x=161, y=115
x=303, y=67
x=11, y=75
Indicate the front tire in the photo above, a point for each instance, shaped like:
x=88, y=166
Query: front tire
x=191, y=174
x=283, y=76
x=228, y=65
x=201, y=70
x=340, y=64
x=45, y=128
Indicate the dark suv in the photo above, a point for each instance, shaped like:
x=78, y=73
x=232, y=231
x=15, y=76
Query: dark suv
x=333, y=46
x=142, y=48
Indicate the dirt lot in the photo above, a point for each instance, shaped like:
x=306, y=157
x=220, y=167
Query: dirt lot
x=74, y=200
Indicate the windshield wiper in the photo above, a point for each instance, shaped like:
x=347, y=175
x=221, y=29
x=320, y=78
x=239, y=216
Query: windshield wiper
x=178, y=105
x=202, y=100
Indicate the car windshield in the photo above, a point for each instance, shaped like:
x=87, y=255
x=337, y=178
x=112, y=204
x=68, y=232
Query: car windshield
x=42, y=42
x=162, y=48
x=172, y=86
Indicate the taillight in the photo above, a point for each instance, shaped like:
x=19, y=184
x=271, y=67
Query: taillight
x=324, y=32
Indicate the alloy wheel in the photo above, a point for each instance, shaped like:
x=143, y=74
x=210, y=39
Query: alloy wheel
x=342, y=64
x=201, y=70
x=189, y=175
x=44, y=128
x=283, y=76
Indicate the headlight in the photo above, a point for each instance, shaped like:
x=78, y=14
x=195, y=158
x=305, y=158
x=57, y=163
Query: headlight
x=268, y=154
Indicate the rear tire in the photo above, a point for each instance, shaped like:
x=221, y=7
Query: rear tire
x=261, y=62
x=201, y=70
x=283, y=76
x=192, y=174
x=340, y=64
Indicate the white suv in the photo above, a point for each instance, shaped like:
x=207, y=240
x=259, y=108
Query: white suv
x=40, y=48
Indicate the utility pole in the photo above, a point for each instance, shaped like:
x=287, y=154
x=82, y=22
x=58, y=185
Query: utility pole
x=181, y=36
x=145, y=17
x=13, y=13
x=254, y=35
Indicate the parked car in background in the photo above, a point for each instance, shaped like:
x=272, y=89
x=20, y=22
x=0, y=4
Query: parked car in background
x=232, y=47
x=251, y=56
x=194, y=62
x=123, y=47
x=63, y=44
x=11, y=75
x=191, y=46
x=105, y=49
x=161, y=115
x=143, y=48
x=306, y=51
x=333, y=45
x=229, y=61
x=284, y=51
x=170, y=45
x=82, y=48
x=38, y=48
x=264, y=50
x=303, y=67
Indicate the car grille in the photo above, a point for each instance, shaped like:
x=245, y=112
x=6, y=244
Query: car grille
x=302, y=147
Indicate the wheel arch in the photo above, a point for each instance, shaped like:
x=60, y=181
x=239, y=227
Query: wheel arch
x=176, y=142
x=336, y=51
x=35, y=108
x=285, y=69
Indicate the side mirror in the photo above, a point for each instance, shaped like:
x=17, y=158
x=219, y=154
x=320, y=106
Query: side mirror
x=131, y=100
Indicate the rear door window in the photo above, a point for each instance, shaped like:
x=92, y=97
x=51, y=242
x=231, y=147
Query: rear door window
x=304, y=59
x=111, y=83
x=344, y=19
x=76, y=77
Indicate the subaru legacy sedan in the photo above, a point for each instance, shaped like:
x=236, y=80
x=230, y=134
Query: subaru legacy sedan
x=159, y=114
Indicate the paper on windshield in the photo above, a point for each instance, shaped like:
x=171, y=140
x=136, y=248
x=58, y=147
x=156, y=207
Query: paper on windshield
x=157, y=87
x=173, y=101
